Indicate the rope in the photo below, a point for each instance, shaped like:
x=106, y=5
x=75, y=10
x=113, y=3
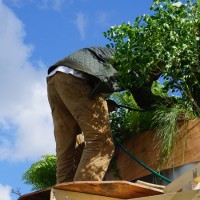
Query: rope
x=140, y=162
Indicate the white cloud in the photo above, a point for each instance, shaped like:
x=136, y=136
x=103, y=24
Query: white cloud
x=56, y=5
x=52, y=4
x=102, y=18
x=81, y=23
x=25, y=121
x=5, y=192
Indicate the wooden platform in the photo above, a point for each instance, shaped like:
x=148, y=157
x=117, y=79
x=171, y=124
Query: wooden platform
x=116, y=189
x=186, y=187
x=183, y=188
x=107, y=189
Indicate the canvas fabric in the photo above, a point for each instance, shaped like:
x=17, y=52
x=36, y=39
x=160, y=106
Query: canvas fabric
x=73, y=112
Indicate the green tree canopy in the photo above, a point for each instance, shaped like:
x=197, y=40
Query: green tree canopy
x=162, y=45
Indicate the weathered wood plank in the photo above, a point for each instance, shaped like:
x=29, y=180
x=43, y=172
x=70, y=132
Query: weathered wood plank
x=115, y=189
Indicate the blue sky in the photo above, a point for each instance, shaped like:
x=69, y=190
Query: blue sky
x=33, y=35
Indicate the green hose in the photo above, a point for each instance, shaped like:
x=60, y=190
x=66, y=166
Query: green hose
x=140, y=162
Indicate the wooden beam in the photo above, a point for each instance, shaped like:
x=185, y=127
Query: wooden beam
x=187, y=195
x=57, y=194
x=185, y=181
x=115, y=189
x=151, y=185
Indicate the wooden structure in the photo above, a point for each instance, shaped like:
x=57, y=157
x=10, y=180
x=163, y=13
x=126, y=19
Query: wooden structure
x=184, y=188
x=145, y=147
x=112, y=190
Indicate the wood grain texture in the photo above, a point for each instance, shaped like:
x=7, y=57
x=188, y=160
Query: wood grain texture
x=115, y=189
x=145, y=147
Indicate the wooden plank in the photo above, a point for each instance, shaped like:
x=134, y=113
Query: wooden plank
x=188, y=195
x=116, y=189
x=184, y=182
x=57, y=194
x=144, y=145
x=161, y=187
x=38, y=195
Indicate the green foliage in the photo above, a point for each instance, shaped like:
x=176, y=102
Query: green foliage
x=41, y=174
x=125, y=122
x=165, y=44
x=158, y=89
x=168, y=42
x=165, y=121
